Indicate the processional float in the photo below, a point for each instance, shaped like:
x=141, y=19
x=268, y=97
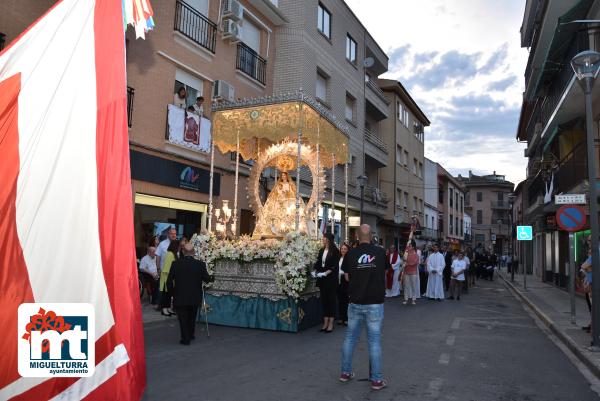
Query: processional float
x=291, y=133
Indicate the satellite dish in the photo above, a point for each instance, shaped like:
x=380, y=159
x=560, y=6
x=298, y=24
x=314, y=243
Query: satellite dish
x=368, y=62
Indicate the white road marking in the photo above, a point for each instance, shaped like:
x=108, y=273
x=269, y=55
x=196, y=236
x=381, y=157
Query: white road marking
x=435, y=385
x=450, y=340
x=444, y=359
x=455, y=324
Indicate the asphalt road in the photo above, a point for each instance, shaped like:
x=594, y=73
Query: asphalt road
x=484, y=347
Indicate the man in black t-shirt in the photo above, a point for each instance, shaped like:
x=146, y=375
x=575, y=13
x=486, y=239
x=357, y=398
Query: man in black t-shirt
x=366, y=270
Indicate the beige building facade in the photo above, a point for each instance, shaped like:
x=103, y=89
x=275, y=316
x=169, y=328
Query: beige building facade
x=327, y=53
x=451, y=208
x=403, y=176
x=486, y=200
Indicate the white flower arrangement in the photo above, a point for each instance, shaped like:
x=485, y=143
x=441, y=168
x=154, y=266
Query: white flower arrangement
x=292, y=256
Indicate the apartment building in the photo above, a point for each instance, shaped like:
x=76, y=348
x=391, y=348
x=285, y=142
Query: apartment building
x=218, y=50
x=451, y=201
x=17, y=15
x=487, y=201
x=552, y=122
x=403, y=177
x=326, y=52
x=429, y=231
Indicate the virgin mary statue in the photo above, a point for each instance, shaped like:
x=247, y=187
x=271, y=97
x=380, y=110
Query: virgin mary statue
x=278, y=214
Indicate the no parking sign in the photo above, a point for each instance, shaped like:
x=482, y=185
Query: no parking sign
x=571, y=218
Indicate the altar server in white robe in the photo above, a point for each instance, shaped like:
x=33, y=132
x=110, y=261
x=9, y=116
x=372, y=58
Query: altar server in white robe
x=392, y=285
x=435, y=280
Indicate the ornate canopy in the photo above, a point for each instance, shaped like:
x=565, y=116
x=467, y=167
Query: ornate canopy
x=264, y=121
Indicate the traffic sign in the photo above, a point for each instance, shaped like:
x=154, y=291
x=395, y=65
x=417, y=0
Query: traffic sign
x=569, y=199
x=524, y=233
x=571, y=218
x=493, y=237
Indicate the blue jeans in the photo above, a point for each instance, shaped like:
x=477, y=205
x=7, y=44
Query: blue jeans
x=372, y=315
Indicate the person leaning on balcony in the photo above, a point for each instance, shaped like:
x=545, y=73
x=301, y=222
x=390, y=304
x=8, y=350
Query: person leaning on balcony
x=198, y=107
x=179, y=98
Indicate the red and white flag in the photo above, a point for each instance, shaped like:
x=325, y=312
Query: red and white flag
x=65, y=195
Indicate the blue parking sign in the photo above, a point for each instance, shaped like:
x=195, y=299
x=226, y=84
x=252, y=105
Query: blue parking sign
x=524, y=233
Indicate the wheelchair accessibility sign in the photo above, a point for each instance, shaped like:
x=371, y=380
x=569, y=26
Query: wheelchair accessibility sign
x=524, y=233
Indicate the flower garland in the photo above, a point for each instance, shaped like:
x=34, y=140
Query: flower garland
x=291, y=255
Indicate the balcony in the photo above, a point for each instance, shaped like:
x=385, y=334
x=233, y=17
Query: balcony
x=572, y=169
x=2, y=40
x=375, y=148
x=377, y=90
x=195, y=26
x=373, y=194
x=250, y=63
x=376, y=103
x=429, y=233
x=130, y=94
x=502, y=205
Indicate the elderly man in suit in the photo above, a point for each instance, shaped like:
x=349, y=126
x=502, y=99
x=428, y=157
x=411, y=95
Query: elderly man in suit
x=185, y=283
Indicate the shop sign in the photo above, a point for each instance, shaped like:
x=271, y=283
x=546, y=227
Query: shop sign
x=353, y=221
x=145, y=167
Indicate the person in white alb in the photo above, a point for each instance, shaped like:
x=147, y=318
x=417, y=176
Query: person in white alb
x=392, y=287
x=459, y=265
x=150, y=273
x=435, y=280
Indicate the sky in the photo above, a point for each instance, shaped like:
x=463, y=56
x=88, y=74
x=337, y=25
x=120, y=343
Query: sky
x=462, y=62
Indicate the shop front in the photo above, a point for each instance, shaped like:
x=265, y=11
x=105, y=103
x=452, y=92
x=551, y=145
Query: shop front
x=168, y=193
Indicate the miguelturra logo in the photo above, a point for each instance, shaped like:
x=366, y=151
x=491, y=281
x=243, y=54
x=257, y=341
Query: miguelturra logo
x=364, y=258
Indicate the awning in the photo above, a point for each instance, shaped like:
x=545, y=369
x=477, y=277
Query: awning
x=262, y=122
x=562, y=42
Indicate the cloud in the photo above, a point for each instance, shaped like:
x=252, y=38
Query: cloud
x=496, y=60
x=502, y=84
x=398, y=55
x=449, y=68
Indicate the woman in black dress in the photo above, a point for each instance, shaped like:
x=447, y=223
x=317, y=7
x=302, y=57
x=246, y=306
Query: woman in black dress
x=326, y=272
x=342, y=291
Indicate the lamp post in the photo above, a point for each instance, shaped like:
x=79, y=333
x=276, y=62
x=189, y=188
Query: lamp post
x=511, y=203
x=586, y=65
x=362, y=182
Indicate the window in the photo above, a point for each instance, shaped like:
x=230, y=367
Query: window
x=402, y=113
x=321, y=91
x=456, y=200
x=451, y=225
x=479, y=217
x=421, y=206
x=191, y=84
x=399, y=154
x=350, y=49
x=415, y=166
x=350, y=107
x=461, y=228
x=500, y=197
x=415, y=203
x=462, y=207
x=251, y=35
x=199, y=5
x=324, y=21
x=406, y=200
x=420, y=169
x=398, y=197
x=441, y=195
x=451, y=193
x=479, y=196
x=399, y=111
x=406, y=158
x=456, y=226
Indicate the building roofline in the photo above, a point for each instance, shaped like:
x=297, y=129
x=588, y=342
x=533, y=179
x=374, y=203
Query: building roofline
x=365, y=29
x=396, y=86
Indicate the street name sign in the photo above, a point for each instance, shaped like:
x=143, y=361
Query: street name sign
x=569, y=199
x=571, y=218
x=524, y=233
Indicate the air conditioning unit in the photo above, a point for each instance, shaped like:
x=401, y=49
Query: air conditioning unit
x=231, y=31
x=232, y=9
x=223, y=90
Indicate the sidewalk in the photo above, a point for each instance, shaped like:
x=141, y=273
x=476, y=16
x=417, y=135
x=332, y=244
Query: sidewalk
x=553, y=307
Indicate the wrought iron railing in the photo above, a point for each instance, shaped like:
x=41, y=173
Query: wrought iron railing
x=250, y=63
x=534, y=20
x=375, y=140
x=500, y=205
x=536, y=188
x=572, y=169
x=429, y=233
x=195, y=26
x=130, y=94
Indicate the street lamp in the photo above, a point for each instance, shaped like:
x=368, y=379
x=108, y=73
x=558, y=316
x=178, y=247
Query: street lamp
x=586, y=65
x=362, y=182
x=511, y=203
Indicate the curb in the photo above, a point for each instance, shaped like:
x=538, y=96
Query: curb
x=549, y=323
